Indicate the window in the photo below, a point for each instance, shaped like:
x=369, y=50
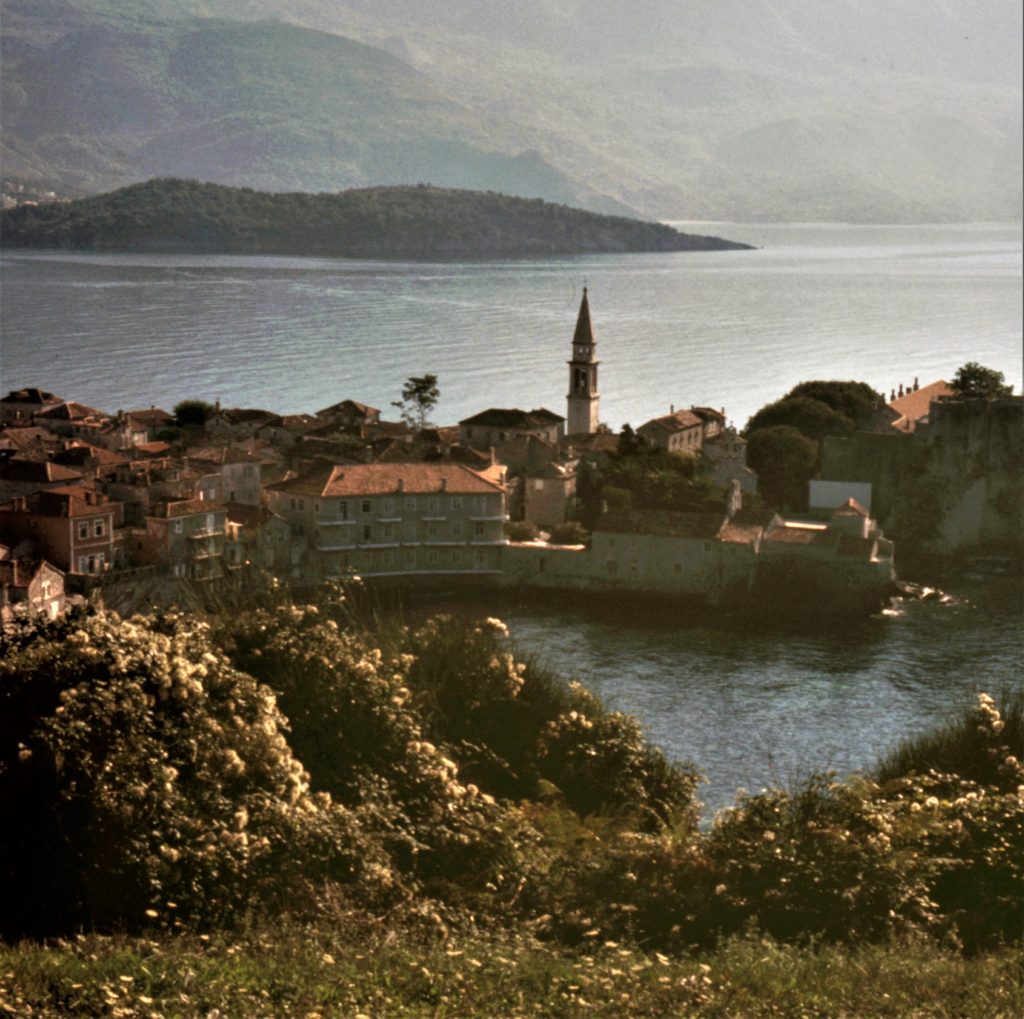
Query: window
x=456, y=557
x=179, y=569
x=432, y=530
x=83, y=529
x=456, y=528
x=478, y=529
x=302, y=504
x=410, y=502
x=365, y=507
x=98, y=529
x=367, y=532
x=176, y=526
x=432, y=557
x=343, y=509
x=83, y=564
x=389, y=558
x=316, y=506
x=456, y=502
x=389, y=507
x=389, y=530
x=481, y=504
x=293, y=504
x=432, y=504
x=410, y=558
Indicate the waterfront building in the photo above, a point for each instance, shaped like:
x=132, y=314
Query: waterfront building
x=187, y=537
x=398, y=519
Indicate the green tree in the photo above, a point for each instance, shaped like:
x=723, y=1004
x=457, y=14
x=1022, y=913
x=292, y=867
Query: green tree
x=973, y=379
x=192, y=412
x=785, y=460
x=419, y=397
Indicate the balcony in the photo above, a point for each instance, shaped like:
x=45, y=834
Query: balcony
x=207, y=533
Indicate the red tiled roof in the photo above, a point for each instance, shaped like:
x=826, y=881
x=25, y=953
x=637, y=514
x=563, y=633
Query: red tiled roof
x=38, y=472
x=913, y=406
x=151, y=417
x=384, y=479
x=512, y=417
x=71, y=410
x=66, y=501
x=679, y=421
x=851, y=508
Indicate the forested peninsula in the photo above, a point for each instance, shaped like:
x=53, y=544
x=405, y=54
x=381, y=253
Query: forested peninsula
x=417, y=223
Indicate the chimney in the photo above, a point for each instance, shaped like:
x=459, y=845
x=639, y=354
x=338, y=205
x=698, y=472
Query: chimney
x=892, y=395
x=671, y=408
x=401, y=484
x=916, y=386
x=444, y=484
x=901, y=389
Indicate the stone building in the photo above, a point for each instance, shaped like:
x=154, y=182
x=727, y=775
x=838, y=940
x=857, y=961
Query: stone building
x=187, y=536
x=400, y=519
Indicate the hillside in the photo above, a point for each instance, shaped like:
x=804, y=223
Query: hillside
x=400, y=222
x=94, y=99
x=878, y=111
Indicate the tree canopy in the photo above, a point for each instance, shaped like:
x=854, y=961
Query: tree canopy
x=419, y=397
x=973, y=379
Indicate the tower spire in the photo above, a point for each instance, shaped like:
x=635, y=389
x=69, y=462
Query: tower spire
x=583, y=397
x=584, y=331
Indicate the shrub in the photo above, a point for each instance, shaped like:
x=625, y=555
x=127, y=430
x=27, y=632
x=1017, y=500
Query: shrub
x=138, y=769
x=520, y=530
x=572, y=532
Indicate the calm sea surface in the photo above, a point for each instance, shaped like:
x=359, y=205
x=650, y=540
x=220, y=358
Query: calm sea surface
x=731, y=329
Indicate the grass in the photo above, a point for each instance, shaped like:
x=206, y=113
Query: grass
x=360, y=967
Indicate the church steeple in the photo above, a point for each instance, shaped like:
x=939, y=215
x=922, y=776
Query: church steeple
x=583, y=395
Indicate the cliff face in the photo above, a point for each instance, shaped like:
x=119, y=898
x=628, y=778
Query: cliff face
x=953, y=486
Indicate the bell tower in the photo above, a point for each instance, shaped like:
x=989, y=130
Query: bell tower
x=583, y=395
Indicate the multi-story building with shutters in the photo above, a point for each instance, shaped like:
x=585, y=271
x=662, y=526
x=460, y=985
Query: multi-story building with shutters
x=399, y=519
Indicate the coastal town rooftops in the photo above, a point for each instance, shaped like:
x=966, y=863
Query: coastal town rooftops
x=669, y=424
x=349, y=408
x=511, y=417
x=387, y=479
x=30, y=394
x=81, y=453
x=150, y=417
x=37, y=472
x=912, y=407
x=72, y=410
x=66, y=501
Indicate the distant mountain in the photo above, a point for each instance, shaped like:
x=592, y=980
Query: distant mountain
x=397, y=222
x=94, y=100
x=860, y=110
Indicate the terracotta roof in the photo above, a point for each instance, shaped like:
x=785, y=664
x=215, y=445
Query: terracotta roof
x=679, y=421
x=709, y=414
x=300, y=422
x=67, y=501
x=385, y=479
x=23, y=435
x=79, y=452
x=502, y=417
x=71, y=410
x=851, y=508
x=36, y=472
x=594, y=442
x=584, y=333
x=152, y=448
x=151, y=417
x=912, y=407
x=349, y=408
x=798, y=534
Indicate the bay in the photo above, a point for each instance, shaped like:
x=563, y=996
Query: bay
x=724, y=329
x=751, y=706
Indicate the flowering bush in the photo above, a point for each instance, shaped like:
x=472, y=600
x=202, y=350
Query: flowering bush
x=140, y=774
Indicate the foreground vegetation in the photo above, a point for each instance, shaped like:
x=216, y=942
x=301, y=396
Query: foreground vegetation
x=169, y=215
x=298, y=807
